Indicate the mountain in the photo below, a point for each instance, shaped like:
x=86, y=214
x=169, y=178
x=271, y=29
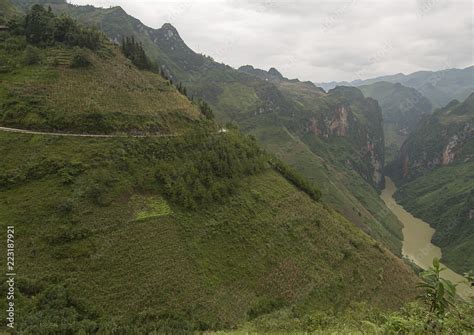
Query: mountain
x=440, y=87
x=349, y=172
x=7, y=10
x=133, y=212
x=402, y=108
x=436, y=173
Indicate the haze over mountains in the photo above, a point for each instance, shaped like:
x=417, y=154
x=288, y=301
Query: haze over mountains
x=440, y=87
x=223, y=198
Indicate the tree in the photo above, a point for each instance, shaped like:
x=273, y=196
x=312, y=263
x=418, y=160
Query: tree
x=134, y=51
x=80, y=59
x=438, y=293
x=41, y=27
x=32, y=55
x=206, y=110
x=38, y=27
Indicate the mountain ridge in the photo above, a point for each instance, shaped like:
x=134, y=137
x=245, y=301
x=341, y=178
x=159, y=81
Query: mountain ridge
x=192, y=233
x=440, y=87
x=251, y=102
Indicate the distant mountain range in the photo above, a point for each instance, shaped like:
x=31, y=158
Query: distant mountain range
x=440, y=87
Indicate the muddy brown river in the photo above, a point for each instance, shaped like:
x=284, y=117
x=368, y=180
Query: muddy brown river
x=417, y=244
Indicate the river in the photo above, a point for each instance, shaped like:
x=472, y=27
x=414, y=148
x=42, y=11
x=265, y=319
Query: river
x=417, y=244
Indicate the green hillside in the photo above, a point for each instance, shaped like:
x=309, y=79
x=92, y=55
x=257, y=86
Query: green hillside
x=436, y=174
x=188, y=228
x=7, y=10
x=108, y=97
x=257, y=106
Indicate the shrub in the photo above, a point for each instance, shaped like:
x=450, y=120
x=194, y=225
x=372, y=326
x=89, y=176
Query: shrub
x=206, y=110
x=80, y=59
x=134, y=51
x=32, y=55
x=296, y=179
x=41, y=27
x=206, y=168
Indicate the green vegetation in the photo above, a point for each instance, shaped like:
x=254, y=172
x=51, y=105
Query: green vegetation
x=296, y=179
x=150, y=207
x=73, y=89
x=208, y=173
x=188, y=232
x=438, y=313
x=266, y=244
x=205, y=109
x=199, y=230
x=41, y=27
x=444, y=198
x=402, y=108
x=439, y=293
x=258, y=105
x=441, y=192
x=7, y=11
x=133, y=50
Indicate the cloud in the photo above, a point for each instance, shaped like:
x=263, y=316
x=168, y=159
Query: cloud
x=319, y=40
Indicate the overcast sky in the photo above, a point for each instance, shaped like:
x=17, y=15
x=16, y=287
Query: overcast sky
x=319, y=40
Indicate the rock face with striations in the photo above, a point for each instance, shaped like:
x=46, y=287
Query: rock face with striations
x=439, y=140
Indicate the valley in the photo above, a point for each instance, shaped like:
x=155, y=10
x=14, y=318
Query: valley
x=417, y=236
x=154, y=190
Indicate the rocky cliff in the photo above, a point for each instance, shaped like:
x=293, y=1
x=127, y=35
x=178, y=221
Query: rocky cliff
x=439, y=140
x=435, y=173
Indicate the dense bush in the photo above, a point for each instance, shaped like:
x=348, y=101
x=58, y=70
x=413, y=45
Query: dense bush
x=134, y=51
x=32, y=55
x=201, y=168
x=206, y=110
x=42, y=28
x=80, y=59
x=296, y=179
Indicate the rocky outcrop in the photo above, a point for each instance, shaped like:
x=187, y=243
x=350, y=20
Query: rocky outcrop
x=439, y=140
x=358, y=121
x=339, y=124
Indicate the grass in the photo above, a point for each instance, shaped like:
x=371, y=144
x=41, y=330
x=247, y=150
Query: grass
x=341, y=188
x=215, y=264
x=109, y=96
x=103, y=242
x=150, y=207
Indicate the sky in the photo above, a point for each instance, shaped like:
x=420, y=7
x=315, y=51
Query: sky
x=319, y=40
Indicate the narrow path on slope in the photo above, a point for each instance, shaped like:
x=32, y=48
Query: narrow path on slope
x=32, y=132
x=417, y=244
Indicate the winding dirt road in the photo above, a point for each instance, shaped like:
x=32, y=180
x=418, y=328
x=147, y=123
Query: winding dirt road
x=32, y=132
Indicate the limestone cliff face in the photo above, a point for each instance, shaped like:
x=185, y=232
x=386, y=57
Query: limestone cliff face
x=440, y=139
x=354, y=124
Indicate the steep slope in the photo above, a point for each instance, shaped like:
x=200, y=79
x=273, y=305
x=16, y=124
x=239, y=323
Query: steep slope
x=402, y=108
x=440, y=87
x=192, y=231
x=330, y=138
x=7, y=10
x=256, y=104
x=435, y=170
